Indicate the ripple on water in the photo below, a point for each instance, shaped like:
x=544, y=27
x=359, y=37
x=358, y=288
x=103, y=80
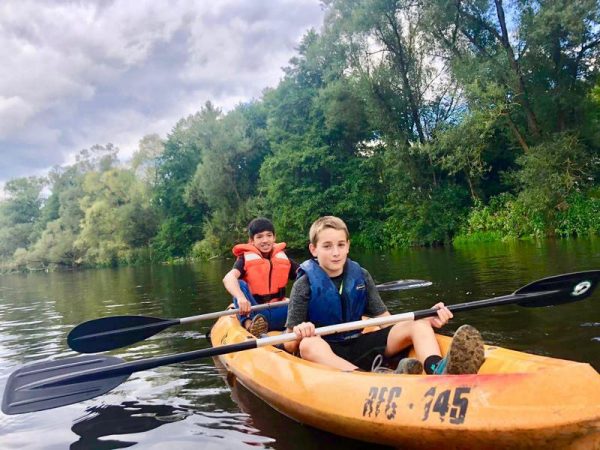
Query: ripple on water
x=206, y=392
x=32, y=307
x=189, y=405
x=185, y=335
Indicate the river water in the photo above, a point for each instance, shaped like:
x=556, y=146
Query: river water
x=190, y=405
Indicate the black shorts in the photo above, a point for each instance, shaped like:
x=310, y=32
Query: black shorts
x=362, y=350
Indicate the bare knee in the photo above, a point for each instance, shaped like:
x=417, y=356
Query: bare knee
x=310, y=347
x=421, y=328
x=407, y=332
x=404, y=334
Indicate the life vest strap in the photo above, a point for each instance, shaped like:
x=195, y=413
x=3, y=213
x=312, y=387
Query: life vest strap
x=268, y=297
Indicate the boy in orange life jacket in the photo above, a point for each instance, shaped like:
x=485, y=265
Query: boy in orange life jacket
x=260, y=275
x=332, y=289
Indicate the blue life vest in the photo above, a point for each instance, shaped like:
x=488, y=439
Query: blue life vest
x=326, y=306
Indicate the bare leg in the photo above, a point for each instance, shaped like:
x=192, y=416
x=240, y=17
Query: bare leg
x=317, y=350
x=419, y=334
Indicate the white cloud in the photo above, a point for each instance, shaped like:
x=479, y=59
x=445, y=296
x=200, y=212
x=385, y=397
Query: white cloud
x=92, y=72
x=14, y=112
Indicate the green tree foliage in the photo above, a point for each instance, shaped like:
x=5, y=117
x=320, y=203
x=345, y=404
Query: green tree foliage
x=145, y=160
x=417, y=121
x=19, y=213
x=553, y=170
x=96, y=214
x=175, y=169
x=226, y=179
x=61, y=217
x=504, y=217
x=582, y=216
x=118, y=218
x=527, y=68
x=324, y=155
x=228, y=172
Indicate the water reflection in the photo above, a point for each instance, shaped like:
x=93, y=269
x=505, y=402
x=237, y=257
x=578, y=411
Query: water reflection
x=286, y=433
x=38, y=310
x=126, y=418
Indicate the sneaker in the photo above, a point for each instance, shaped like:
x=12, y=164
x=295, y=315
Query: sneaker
x=258, y=326
x=466, y=354
x=409, y=366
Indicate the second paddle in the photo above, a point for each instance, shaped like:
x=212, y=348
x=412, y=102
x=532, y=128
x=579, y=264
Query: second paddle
x=109, y=333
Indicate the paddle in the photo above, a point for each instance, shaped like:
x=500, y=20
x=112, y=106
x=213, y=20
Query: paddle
x=50, y=384
x=109, y=333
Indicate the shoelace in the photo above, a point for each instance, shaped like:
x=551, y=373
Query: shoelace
x=377, y=362
x=378, y=366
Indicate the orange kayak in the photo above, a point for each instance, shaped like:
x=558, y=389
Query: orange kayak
x=517, y=400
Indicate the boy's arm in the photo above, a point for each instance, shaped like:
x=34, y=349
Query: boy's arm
x=231, y=283
x=375, y=306
x=297, y=310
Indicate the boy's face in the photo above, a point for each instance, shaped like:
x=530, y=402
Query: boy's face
x=331, y=251
x=263, y=241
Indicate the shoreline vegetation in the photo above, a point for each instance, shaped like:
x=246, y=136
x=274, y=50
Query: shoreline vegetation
x=460, y=128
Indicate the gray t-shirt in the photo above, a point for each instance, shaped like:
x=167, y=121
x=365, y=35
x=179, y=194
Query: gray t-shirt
x=300, y=295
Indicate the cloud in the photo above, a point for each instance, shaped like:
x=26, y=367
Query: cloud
x=92, y=72
x=14, y=112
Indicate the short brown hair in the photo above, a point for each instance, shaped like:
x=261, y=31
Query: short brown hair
x=326, y=222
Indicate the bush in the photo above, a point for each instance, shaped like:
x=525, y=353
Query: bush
x=371, y=236
x=582, y=215
x=172, y=240
x=428, y=218
x=504, y=217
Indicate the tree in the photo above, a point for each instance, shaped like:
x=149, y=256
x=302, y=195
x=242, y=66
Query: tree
x=175, y=168
x=118, y=217
x=19, y=213
x=145, y=160
x=226, y=178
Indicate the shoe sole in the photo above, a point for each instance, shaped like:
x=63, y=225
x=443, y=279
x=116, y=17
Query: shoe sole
x=258, y=327
x=466, y=353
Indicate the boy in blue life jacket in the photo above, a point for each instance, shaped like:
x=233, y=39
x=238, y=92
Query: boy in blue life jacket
x=333, y=289
x=260, y=275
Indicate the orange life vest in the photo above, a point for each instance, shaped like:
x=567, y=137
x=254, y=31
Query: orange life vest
x=267, y=278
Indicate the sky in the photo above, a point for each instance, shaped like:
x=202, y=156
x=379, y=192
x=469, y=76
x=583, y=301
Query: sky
x=79, y=73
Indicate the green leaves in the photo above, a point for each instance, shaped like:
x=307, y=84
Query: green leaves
x=19, y=214
x=415, y=121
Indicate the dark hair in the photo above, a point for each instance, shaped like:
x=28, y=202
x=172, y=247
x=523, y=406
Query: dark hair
x=259, y=225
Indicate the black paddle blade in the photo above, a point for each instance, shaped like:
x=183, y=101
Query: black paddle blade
x=20, y=397
x=570, y=287
x=402, y=285
x=108, y=333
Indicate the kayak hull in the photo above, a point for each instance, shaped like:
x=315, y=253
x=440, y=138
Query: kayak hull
x=517, y=400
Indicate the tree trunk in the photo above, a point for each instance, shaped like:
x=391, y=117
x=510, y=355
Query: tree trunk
x=400, y=57
x=517, y=133
x=522, y=96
